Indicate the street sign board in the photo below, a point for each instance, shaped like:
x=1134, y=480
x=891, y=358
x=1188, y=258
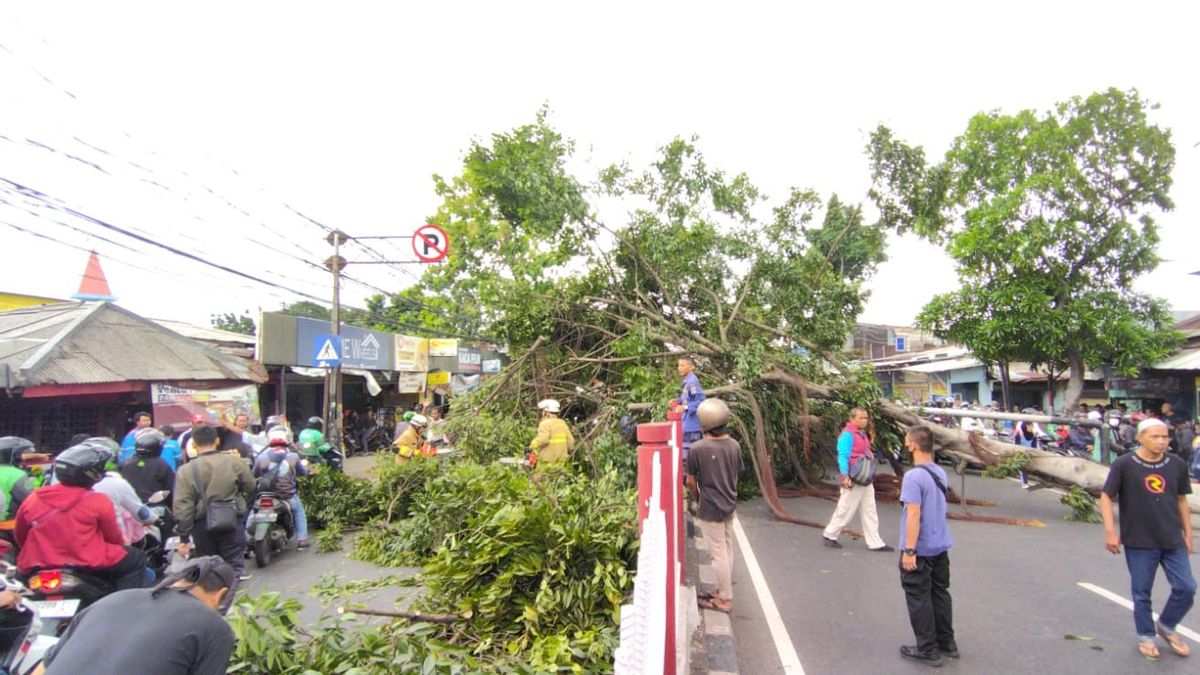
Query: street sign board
x=430, y=243
x=327, y=350
x=355, y=347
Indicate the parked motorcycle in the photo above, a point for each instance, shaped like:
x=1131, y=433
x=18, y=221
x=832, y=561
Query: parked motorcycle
x=269, y=527
x=23, y=645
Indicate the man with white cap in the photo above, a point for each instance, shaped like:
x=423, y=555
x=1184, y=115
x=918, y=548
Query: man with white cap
x=1151, y=487
x=553, y=443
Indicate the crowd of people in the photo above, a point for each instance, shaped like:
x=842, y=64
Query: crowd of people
x=1149, y=481
x=90, y=510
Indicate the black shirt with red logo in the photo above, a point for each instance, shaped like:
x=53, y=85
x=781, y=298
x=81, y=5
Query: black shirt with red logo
x=1148, y=497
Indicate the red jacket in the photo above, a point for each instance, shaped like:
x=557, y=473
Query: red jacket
x=66, y=525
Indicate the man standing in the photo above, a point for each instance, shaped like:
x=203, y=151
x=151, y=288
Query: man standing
x=172, y=629
x=552, y=446
x=854, y=446
x=688, y=402
x=712, y=474
x=213, y=477
x=185, y=439
x=925, y=553
x=141, y=420
x=1151, y=487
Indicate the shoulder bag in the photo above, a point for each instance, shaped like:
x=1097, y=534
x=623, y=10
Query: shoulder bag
x=220, y=515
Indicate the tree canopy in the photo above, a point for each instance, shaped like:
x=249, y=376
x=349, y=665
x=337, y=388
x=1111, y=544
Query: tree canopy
x=1050, y=217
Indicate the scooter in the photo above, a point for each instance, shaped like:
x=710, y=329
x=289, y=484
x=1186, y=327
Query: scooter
x=59, y=593
x=269, y=527
x=158, y=533
x=28, y=645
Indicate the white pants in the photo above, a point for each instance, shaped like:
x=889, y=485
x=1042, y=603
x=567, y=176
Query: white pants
x=848, y=502
x=719, y=536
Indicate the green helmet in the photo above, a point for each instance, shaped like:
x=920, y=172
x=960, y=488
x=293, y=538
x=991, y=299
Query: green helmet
x=311, y=441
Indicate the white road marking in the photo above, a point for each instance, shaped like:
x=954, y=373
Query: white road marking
x=1128, y=604
x=783, y=643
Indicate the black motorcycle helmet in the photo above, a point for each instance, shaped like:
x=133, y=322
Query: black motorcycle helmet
x=82, y=465
x=315, y=422
x=149, y=443
x=12, y=447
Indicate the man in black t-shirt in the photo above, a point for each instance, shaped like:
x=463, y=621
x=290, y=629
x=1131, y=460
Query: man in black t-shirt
x=1151, y=487
x=172, y=629
x=713, y=465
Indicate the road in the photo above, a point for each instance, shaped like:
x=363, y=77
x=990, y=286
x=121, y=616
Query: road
x=1016, y=592
x=294, y=573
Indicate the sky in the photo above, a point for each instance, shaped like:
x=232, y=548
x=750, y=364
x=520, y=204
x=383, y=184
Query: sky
x=224, y=130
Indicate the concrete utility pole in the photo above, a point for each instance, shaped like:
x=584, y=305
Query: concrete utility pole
x=333, y=380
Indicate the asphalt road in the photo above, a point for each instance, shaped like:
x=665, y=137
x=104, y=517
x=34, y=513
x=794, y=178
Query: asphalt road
x=294, y=573
x=1016, y=594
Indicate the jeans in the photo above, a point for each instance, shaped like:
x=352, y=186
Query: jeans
x=300, y=518
x=231, y=546
x=1143, y=566
x=930, y=611
x=129, y=573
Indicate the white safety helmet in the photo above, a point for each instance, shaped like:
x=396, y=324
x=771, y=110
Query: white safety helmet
x=549, y=405
x=279, y=435
x=419, y=421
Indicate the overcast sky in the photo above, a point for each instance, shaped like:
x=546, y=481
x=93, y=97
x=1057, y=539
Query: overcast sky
x=207, y=128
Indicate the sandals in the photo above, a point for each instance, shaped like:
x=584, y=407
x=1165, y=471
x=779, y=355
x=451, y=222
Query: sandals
x=1174, y=642
x=711, y=603
x=706, y=595
x=1148, y=650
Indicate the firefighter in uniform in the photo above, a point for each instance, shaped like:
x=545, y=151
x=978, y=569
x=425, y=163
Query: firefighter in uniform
x=553, y=443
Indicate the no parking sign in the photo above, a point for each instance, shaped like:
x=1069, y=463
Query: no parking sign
x=430, y=243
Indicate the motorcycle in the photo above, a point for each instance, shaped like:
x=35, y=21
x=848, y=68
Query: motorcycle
x=269, y=527
x=59, y=593
x=158, y=540
x=26, y=646
x=327, y=455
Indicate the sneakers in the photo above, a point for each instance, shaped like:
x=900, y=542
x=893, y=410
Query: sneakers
x=931, y=659
x=883, y=549
x=831, y=543
x=949, y=651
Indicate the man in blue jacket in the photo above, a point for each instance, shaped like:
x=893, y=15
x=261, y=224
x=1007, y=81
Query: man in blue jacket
x=855, y=446
x=690, y=398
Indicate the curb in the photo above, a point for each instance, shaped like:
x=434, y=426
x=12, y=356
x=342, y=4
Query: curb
x=713, y=648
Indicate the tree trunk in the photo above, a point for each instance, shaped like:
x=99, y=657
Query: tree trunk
x=1075, y=381
x=976, y=448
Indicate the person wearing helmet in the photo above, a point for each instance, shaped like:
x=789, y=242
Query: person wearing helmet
x=410, y=442
x=185, y=439
x=282, y=469
x=69, y=525
x=147, y=471
x=132, y=514
x=713, y=467
x=311, y=443
x=854, y=446
x=553, y=443
x=315, y=422
x=405, y=423
x=690, y=398
x=15, y=484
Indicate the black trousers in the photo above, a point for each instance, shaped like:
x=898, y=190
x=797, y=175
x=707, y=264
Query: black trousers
x=129, y=573
x=927, y=592
x=231, y=546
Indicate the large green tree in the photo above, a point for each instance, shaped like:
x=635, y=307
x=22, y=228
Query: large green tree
x=1050, y=218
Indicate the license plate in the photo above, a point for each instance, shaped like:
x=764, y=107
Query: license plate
x=55, y=609
x=264, y=517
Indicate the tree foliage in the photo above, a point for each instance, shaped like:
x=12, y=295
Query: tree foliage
x=1050, y=218
x=234, y=323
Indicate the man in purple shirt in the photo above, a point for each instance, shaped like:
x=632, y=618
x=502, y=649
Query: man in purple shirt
x=925, y=553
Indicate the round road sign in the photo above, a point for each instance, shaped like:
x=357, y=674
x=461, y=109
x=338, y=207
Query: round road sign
x=430, y=243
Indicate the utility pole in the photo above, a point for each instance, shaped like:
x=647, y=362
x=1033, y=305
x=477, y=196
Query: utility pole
x=333, y=379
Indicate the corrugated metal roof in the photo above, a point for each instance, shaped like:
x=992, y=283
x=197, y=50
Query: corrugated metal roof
x=82, y=343
x=204, y=333
x=945, y=365
x=1188, y=359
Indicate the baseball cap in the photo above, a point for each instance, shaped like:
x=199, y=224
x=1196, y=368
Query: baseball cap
x=198, y=419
